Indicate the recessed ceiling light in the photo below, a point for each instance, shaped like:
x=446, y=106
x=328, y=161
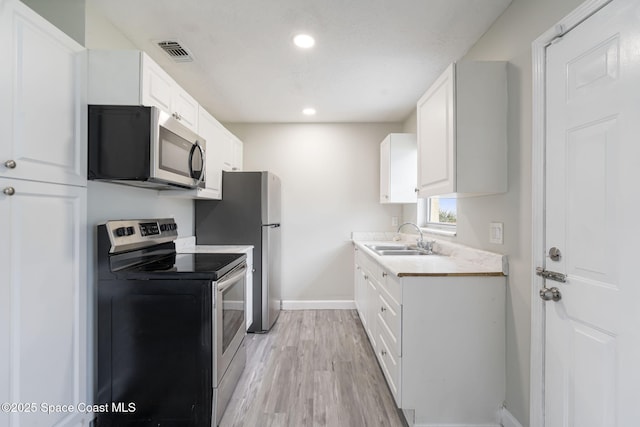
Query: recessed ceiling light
x=304, y=41
x=309, y=111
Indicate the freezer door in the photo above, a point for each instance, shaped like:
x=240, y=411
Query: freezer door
x=271, y=275
x=270, y=198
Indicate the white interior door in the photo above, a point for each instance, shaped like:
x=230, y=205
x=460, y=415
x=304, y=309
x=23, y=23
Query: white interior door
x=592, y=334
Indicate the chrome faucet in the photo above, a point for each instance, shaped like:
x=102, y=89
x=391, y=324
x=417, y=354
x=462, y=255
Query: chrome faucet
x=427, y=246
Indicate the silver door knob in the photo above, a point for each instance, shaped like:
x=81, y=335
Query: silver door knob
x=9, y=191
x=552, y=294
x=10, y=164
x=555, y=254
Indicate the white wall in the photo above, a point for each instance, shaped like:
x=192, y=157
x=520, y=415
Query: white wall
x=509, y=39
x=330, y=176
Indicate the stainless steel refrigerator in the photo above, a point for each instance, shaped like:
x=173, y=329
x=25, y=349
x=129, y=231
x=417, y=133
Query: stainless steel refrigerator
x=248, y=214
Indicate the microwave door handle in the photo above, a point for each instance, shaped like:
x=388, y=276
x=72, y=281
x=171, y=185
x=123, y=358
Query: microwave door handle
x=193, y=149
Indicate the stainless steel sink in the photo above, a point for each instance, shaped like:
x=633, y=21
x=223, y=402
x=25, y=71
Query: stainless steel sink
x=403, y=252
x=387, y=247
x=397, y=250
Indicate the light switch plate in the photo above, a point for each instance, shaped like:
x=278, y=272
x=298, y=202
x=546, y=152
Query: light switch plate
x=496, y=233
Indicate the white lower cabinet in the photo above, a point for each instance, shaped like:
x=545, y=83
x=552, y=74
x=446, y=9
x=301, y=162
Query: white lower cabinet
x=43, y=302
x=439, y=340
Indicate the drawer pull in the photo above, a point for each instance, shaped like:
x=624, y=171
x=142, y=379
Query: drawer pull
x=383, y=309
x=384, y=274
x=383, y=352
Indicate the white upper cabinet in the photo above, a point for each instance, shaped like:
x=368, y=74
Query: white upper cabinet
x=214, y=135
x=462, y=132
x=131, y=77
x=398, y=169
x=43, y=87
x=233, y=152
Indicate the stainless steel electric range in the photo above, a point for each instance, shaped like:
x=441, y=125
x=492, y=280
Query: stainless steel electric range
x=170, y=328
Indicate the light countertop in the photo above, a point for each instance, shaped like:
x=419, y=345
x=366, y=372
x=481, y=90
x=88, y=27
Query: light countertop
x=187, y=245
x=449, y=260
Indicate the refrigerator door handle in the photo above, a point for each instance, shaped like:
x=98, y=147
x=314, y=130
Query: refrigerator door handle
x=272, y=225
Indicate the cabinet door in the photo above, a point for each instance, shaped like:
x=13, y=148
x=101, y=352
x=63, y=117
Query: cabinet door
x=371, y=307
x=210, y=130
x=237, y=152
x=43, y=301
x=436, y=137
x=185, y=108
x=385, y=162
x=43, y=111
x=231, y=152
x=157, y=86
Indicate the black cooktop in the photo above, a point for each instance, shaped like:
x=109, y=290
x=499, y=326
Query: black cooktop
x=211, y=266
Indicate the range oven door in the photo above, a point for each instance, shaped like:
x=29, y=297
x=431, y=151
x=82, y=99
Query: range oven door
x=230, y=317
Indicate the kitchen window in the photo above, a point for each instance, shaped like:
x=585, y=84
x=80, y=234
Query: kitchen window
x=438, y=214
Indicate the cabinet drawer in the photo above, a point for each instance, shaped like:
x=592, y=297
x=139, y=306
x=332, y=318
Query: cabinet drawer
x=391, y=285
x=390, y=319
x=390, y=364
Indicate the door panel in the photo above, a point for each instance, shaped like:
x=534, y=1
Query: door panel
x=593, y=105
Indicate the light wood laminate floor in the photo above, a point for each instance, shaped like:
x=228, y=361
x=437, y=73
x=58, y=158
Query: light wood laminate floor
x=314, y=368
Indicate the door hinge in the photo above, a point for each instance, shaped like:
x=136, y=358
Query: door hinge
x=560, y=32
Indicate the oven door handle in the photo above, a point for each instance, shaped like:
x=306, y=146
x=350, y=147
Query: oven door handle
x=232, y=278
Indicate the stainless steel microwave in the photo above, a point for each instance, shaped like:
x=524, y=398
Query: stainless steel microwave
x=143, y=147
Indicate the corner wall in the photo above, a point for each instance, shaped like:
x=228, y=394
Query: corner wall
x=330, y=175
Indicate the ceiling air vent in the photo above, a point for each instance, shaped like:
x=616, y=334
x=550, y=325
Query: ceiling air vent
x=175, y=51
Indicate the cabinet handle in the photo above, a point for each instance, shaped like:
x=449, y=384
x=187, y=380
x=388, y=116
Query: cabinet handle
x=384, y=274
x=383, y=352
x=234, y=168
x=383, y=309
x=10, y=164
x=177, y=116
x=9, y=191
x=416, y=189
x=366, y=277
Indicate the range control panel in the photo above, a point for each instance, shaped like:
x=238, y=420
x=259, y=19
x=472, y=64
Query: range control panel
x=135, y=233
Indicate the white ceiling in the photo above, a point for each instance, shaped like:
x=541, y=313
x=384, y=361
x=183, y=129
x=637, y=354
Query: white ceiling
x=373, y=59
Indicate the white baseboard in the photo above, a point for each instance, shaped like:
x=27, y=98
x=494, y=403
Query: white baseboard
x=508, y=420
x=456, y=425
x=318, y=305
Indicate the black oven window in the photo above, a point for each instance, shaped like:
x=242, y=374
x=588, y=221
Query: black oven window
x=232, y=312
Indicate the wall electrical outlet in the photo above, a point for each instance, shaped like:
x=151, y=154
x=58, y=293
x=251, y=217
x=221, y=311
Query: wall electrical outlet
x=394, y=221
x=496, y=233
